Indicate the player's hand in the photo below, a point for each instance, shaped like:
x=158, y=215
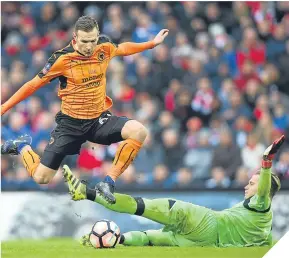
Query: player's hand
x=159, y=38
x=273, y=148
x=270, y=152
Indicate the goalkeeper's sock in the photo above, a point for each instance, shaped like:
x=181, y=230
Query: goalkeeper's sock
x=135, y=238
x=125, y=155
x=124, y=203
x=156, y=210
x=30, y=159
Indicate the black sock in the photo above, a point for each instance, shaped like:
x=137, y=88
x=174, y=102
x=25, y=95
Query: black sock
x=90, y=194
x=122, y=238
x=140, y=206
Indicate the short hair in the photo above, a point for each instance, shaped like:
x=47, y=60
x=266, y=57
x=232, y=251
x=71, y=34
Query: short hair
x=86, y=23
x=275, y=183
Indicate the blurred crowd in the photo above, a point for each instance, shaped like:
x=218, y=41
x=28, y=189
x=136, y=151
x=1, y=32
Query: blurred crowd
x=213, y=96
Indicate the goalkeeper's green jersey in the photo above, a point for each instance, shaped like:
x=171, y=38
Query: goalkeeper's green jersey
x=248, y=223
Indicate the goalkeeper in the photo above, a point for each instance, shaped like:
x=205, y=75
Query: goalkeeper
x=248, y=223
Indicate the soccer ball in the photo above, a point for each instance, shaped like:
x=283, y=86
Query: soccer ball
x=104, y=234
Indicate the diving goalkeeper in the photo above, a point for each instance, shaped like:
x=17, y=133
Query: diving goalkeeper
x=248, y=223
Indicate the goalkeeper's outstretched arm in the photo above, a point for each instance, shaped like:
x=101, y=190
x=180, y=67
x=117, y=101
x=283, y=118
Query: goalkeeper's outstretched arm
x=265, y=183
x=261, y=201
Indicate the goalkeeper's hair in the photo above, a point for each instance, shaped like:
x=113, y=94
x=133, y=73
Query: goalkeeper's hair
x=86, y=23
x=275, y=184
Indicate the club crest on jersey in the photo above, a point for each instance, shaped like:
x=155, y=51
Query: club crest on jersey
x=100, y=56
x=46, y=68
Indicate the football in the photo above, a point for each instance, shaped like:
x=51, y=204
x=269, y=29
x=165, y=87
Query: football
x=104, y=234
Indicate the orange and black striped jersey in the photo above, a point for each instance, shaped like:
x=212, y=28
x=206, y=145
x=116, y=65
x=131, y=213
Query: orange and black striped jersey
x=82, y=80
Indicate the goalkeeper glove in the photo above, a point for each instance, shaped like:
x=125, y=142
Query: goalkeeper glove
x=270, y=152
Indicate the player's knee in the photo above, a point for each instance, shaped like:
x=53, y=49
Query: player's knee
x=135, y=130
x=142, y=132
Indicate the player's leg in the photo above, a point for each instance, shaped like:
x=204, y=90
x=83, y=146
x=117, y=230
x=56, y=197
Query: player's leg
x=46, y=170
x=141, y=238
x=66, y=139
x=158, y=210
x=190, y=223
x=31, y=160
x=148, y=238
x=133, y=133
x=115, y=129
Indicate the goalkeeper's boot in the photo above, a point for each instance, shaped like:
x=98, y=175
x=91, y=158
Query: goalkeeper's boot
x=85, y=241
x=77, y=188
x=13, y=147
x=106, y=190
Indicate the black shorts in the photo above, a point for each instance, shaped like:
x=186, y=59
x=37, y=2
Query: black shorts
x=70, y=133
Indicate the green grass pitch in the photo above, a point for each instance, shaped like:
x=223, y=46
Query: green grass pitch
x=68, y=248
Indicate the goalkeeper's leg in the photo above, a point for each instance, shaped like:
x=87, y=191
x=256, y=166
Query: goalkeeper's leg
x=158, y=210
x=149, y=237
x=185, y=224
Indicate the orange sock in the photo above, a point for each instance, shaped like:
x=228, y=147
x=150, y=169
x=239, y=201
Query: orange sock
x=125, y=155
x=30, y=161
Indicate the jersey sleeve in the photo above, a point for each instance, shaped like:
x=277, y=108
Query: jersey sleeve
x=130, y=48
x=53, y=68
x=126, y=48
x=262, y=200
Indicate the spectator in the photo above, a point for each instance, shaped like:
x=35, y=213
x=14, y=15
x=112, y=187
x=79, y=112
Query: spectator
x=252, y=92
x=283, y=63
x=184, y=178
x=183, y=108
x=242, y=128
x=128, y=178
x=194, y=73
x=166, y=121
x=236, y=108
x=252, y=153
x=280, y=119
x=282, y=166
x=219, y=179
x=276, y=45
x=199, y=159
x=225, y=92
x=242, y=178
x=149, y=157
x=229, y=57
x=173, y=150
x=247, y=72
x=264, y=129
x=170, y=98
x=251, y=48
x=262, y=106
x=91, y=158
x=223, y=67
x=227, y=155
x=202, y=103
x=191, y=139
x=159, y=175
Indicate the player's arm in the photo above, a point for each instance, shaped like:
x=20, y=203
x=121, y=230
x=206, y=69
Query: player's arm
x=130, y=48
x=52, y=69
x=262, y=199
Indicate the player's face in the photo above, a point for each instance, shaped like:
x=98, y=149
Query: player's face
x=252, y=187
x=86, y=41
